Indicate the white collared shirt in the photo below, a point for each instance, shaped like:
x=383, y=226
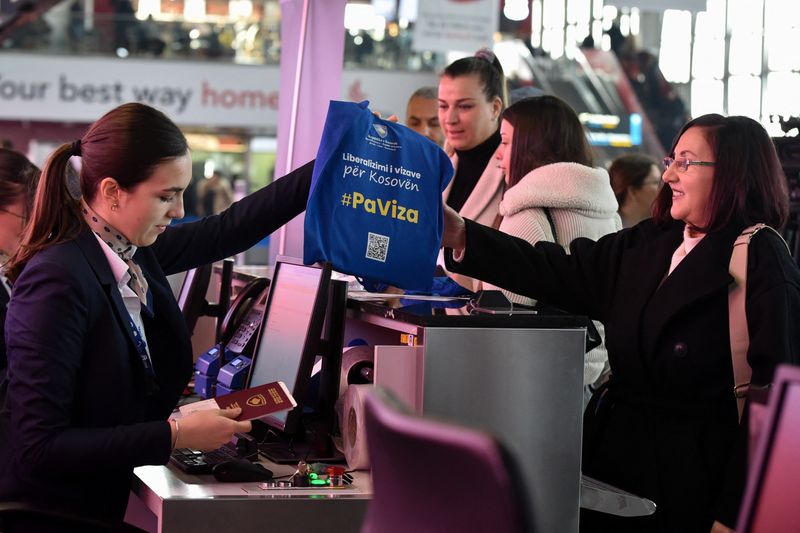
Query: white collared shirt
x=132, y=303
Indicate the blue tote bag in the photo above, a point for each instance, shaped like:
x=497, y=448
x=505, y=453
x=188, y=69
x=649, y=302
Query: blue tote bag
x=375, y=206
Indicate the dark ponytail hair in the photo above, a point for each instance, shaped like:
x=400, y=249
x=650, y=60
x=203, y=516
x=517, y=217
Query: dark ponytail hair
x=546, y=130
x=127, y=143
x=487, y=67
x=18, y=179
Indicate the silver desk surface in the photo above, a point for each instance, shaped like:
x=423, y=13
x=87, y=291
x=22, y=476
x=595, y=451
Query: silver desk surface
x=197, y=504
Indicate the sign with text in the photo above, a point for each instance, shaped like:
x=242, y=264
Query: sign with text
x=82, y=89
x=447, y=25
x=375, y=206
x=202, y=94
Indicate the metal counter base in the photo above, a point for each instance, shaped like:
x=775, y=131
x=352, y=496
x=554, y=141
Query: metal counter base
x=196, y=504
x=519, y=377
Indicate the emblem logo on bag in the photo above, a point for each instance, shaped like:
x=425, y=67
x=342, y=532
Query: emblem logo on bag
x=381, y=129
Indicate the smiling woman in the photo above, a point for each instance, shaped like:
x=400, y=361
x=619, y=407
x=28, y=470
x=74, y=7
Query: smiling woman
x=472, y=95
x=98, y=351
x=666, y=424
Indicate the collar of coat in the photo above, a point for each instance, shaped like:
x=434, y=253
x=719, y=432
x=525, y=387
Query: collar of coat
x=97, y=260
x=563, y=186
x=701, y=273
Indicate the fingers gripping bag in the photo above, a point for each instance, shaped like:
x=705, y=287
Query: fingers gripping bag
x=375, y=206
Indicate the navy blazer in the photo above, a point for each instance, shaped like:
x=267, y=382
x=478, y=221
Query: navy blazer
x=667, y=428
x=77, y=418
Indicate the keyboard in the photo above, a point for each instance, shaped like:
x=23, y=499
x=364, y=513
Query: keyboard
x=197, y=462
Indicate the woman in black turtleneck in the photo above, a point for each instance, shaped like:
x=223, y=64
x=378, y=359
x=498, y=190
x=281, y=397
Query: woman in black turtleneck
x=471, y=97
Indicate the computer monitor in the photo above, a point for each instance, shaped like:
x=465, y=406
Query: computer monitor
x=290, y=333
x=770, y=502
x=192, y=297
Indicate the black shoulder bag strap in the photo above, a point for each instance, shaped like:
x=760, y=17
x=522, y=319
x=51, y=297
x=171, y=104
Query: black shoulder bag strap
x=549, y=216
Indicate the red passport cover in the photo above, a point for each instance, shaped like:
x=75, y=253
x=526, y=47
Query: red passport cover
x=259, y=401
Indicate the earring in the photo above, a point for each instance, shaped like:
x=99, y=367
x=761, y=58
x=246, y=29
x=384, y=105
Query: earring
x=114, y=206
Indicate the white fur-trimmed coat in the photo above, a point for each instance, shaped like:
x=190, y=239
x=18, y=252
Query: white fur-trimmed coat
x=582, y=204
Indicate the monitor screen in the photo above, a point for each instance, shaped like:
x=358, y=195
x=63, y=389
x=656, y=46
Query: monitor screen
x=290, y=333
x=771, y=500
x=192, y=297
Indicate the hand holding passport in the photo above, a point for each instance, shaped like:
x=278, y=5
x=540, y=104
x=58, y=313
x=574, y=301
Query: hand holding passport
x=256, y=402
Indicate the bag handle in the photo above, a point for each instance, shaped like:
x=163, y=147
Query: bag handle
x=737, y=318
x=552, y=223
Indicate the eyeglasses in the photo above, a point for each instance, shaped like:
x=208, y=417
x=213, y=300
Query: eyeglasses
x=12, y=213
x=682, y=165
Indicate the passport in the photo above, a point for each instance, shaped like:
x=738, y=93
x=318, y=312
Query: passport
x=256, y=402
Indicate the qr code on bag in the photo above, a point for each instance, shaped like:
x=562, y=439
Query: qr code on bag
x=377, y=247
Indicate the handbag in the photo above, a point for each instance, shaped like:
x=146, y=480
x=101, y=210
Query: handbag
x=740, y=336
x=375, y=206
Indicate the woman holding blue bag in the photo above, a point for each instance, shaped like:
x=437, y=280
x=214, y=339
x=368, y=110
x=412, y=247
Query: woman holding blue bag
x=666, y=425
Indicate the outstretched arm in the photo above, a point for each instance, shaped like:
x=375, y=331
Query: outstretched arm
x=236, y=229
x=579, y=282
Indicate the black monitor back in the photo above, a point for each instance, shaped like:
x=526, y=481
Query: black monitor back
x=192, y=297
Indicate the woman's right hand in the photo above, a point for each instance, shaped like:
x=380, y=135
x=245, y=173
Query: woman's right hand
x=455, y=231
x=208, y=430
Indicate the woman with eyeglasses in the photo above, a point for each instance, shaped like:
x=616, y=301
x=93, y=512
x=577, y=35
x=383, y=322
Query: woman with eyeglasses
x=666, y=426
x=636, y=180
x=18, y=178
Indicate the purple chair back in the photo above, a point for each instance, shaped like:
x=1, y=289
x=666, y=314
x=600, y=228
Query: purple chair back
x=771, y=501
x=437, y=477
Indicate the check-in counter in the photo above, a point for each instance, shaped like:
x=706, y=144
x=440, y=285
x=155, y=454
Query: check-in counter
x=184, y=503
x=518, y=376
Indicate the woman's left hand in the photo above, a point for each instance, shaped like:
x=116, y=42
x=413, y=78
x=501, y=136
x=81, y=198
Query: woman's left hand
x=719, y=528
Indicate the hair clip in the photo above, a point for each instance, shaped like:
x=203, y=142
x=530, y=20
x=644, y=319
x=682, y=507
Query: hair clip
x=485, y=53
x=75, y=148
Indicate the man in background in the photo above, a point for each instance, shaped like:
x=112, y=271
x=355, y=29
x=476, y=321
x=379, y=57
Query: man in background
x=215, y=194
x=422, y=114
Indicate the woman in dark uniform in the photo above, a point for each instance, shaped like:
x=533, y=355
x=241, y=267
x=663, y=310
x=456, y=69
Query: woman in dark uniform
x=98, y=351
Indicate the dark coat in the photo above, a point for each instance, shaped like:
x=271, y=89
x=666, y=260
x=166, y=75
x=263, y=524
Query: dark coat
x=4, y=298
x=668, y=427
x=77, y=419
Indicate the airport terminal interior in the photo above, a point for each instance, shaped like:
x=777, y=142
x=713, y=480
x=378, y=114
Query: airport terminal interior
x=406, y=353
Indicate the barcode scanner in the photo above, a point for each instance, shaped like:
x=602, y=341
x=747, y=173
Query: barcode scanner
x=241, y=470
